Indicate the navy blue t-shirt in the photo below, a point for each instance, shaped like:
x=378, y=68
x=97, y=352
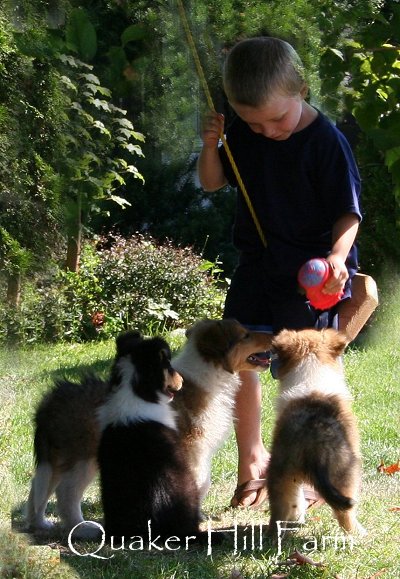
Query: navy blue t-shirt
x=298, y=187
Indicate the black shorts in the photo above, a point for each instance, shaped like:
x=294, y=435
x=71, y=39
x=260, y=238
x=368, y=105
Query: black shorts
x=265, y=303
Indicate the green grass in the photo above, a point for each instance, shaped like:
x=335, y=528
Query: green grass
x=373, y=372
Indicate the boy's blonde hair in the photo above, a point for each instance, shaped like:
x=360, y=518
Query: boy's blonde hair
x=256, y=68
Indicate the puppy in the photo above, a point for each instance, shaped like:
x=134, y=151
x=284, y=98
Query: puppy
x=315, y=439
x=209, y=363
x=66, y=440
x=67, y=431
x=144, y=472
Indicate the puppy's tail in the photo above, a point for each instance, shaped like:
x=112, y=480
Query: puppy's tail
x=329, y=492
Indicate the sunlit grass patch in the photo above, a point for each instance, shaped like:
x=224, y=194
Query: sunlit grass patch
x=373, y=374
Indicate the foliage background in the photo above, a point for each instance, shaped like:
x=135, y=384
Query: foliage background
x=122, y=283
x=97, y=96
x=56, y=186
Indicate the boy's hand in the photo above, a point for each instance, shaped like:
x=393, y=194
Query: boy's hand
x=338, y=277
x=213, y=125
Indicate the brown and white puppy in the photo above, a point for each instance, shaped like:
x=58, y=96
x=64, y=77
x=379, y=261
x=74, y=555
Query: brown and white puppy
x=315, y=439
x=67, y=432
x=210, y=361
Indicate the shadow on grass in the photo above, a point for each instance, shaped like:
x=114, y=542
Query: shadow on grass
x=93, y=558
x=99, y=368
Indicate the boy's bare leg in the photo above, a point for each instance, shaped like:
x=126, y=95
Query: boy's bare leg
x=253, y=458
x=252, y=455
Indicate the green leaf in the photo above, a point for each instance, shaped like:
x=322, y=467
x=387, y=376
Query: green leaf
x=91, y=158
x=76, y=106
x=394, y=84
x=395, y=173
x=132, y=34
x=171, y=314
x=337, y=53
x=126, y=133
x=119, y=163
x=365, y=67
x=370, y=109
x=350, y=43
x=90, y=78
x=138, y=136
x=117, y=110
x=382, y=93
x=120, y=201
x=68, y=83
x=104, y=91
x=99, y=104
x=384, y=139
x=99, y=125
x=134, y=149
x=124, y=123
x=379, y=64
x=114, y=176
x=333, y=60
x=97, y=182
x=81, y=34
x=377, y=33
x=118, y=61
x=135, y=172
x=70, y=60
x=392, y=156
x=91, y=88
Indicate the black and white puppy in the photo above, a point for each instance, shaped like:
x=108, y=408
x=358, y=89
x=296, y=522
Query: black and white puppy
x=144, y=470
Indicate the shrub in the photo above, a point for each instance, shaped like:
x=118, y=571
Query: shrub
x=122, y=283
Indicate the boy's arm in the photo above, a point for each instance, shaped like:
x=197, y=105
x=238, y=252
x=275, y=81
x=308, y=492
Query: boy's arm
x=343, y=235
x=209, y=166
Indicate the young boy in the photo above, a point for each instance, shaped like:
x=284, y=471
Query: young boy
x=304, y=186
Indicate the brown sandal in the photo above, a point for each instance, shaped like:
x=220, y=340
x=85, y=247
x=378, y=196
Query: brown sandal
x=312, y=497
x=258, y=485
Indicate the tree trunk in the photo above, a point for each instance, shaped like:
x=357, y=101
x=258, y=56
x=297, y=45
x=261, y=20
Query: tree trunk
x=74, y=238
x=74, y=251
x=14, y=289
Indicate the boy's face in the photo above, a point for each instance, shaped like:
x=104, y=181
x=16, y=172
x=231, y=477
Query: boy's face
x=277, y=119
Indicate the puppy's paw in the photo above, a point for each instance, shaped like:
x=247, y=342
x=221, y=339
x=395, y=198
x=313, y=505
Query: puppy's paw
x=359, y=532
x=40, y=526
x=85, y=530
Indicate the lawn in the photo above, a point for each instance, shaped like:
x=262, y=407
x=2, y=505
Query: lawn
x=373, y=372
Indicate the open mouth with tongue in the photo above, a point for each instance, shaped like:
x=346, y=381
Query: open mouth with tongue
x=173, y=383
x=170, y=391
x=262, y=359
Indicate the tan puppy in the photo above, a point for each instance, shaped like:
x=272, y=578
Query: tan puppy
x=209, y=363
x=315, y=438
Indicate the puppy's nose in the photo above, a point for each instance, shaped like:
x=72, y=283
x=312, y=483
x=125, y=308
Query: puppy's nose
x=176, y=379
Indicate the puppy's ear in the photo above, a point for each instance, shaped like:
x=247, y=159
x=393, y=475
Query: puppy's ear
x=337, y=341
x=196, y=326
x=283, y=341
x=125, y=342
x=164, y=351
x=215, y=338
